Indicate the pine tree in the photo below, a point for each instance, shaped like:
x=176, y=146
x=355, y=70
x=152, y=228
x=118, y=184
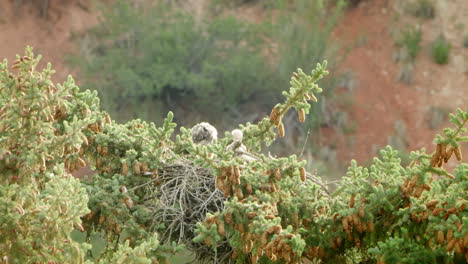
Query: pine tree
x=258, y=208
x=46, y=132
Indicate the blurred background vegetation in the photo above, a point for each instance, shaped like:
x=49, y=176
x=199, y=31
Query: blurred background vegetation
x=227, y=61
x=146, y=59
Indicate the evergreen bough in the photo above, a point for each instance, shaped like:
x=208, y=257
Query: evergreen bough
x=274, y=211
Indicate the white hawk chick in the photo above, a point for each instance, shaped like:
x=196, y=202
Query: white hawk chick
x=238, y=147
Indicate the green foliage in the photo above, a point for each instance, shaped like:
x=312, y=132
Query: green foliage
x=392, y=249
x=410, y=41
x=465, y=41
x=350, y=3
x=148, y=252
x=122, y=154
x=235, y=3
x=303, y=88
x=303, y=31
x=141, y=61
x=40, y=201
x=46, y=131
x=274, y=211
x=276, y=214
x=422, y=8
x=164, y=55
x=440, y=50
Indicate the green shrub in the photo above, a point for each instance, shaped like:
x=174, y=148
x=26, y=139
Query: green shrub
x=140, y=61
x=274, y=211
x=440, y=50
x=303, y=31
x=351, y=3
x=46, y=132
x=422, y=8
x=152, y=59
x=465, y=41
x=236, y=3
x=410, y=41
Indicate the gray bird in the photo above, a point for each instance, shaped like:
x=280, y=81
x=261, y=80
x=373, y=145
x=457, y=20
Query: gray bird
x=204, y=133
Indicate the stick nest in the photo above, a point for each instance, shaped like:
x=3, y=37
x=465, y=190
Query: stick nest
x=182, y=195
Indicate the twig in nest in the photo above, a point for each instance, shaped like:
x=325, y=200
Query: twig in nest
x=185, y=195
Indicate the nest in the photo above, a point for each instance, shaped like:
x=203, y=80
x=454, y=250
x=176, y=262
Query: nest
x=182, y=197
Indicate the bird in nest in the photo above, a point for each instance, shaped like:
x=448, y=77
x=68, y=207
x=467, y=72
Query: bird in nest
x=204, y=134
x=238, y=148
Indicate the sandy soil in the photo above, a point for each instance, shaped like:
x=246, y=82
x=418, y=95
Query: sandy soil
x=50, y=37
x=380, y=100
